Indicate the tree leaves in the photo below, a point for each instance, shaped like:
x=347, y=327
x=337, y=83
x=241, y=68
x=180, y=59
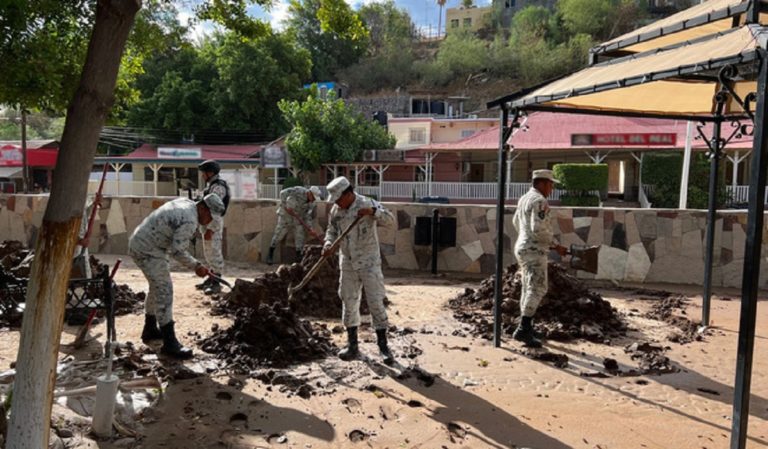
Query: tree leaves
x=327, y=130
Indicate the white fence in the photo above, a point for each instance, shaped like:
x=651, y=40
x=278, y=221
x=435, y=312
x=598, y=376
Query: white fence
x=454, y=191
x=127, y=188
x=740, y=194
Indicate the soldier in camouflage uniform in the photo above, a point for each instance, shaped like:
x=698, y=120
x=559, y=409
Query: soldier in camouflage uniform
x=212, y=234
x=294, y=202
x=167, y=231
x=534, y=240
x=359, y=262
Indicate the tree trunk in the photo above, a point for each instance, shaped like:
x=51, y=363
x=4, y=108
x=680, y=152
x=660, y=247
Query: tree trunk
x=44, y=315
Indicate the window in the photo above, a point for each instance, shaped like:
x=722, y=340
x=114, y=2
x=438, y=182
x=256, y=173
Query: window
x=417, y=135
x=466, y=133
x=454, y=23
x=467, y=22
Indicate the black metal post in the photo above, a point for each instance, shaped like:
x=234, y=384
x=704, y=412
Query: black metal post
x=714, y=166
x=502, y=178
x=751, y=274
x=435, y=238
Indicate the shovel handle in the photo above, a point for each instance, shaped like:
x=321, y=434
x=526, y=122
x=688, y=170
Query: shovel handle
x=332, y=249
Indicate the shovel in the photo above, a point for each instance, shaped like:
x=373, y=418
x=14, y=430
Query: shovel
x=306, y=226
x=80, y=263
x=220, y=280
x=584, y=258
x=316, y=267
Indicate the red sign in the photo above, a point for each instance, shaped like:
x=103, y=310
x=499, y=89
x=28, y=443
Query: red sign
x=624, y=139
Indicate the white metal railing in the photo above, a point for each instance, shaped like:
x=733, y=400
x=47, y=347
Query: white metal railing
x=270, y=191
x=127, y=188
x=740, y=194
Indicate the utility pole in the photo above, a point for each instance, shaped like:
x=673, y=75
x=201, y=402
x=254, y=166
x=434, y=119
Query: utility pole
x=24, y=171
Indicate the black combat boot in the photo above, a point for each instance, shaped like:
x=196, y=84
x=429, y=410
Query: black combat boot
x=151, y=331
x=524, y=333
x=351, y=352
x=271, y=255
x=381, y=341
x=171, y=346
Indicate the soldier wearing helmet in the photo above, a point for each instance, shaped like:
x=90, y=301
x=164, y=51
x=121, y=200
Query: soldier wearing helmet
x=212, y=234
x=297, y=204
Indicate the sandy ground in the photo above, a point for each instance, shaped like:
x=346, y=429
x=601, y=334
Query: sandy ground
x=482, y=397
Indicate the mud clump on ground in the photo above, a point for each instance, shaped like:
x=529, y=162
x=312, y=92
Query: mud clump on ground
x=568, y=311
x=269, y=335
x=669, y=310
x=319, y=298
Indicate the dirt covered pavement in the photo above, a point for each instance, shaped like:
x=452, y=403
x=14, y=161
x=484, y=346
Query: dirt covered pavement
x=451, y=388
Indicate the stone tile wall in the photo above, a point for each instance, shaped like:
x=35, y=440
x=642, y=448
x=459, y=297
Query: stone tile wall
x=640, y=245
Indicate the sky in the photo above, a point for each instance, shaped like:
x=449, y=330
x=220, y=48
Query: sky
x=424, y=13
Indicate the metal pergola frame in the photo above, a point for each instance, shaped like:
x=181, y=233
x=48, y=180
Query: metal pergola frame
x=514, y=105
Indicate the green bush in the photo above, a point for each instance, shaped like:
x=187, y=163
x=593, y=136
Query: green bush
x=582, y=177
x=664, y=171
x=292, y=181
x=580, y=201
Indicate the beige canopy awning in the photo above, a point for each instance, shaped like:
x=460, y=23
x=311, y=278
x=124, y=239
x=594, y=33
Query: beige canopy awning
x=710, y=17
x=678, y=81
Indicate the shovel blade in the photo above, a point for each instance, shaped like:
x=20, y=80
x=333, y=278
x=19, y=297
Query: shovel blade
x=584, y=258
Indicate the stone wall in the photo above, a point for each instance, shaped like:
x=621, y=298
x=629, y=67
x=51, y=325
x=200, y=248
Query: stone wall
x=639, y=245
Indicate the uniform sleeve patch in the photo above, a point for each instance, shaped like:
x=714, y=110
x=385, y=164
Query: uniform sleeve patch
x=542, y=214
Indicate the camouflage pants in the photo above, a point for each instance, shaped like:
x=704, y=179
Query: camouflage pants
x=533, y=272
x=159, y=300
x=212, y=248
x=351, y=284
x=284, y=224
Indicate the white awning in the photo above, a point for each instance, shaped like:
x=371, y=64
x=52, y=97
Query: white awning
x=657, y=82
x=10, y=172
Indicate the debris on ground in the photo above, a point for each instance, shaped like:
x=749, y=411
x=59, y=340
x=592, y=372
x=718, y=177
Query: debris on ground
x=669, y=310
x=15, y=263
x=270, y=335
x=650, y=358
x=568, y=311
x=318, y=299
x=286, y=383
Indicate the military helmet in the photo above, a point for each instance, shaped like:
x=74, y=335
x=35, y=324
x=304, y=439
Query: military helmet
x=210, y=166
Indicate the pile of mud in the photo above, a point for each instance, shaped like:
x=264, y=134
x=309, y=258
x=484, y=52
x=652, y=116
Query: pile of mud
x=268, y=335
x=318, y=299
x=568, y=311
x=15, y=260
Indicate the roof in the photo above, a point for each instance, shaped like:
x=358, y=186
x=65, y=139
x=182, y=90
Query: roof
x=549, y=131
x=175, y=153
x=31, y=144
x=40, y=153
x=706, y=18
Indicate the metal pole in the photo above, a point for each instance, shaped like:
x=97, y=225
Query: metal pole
x=24, y=162
x=751, y=275
x=714, y=166
x=497, y=288
x=686, y=167
x=435, y=238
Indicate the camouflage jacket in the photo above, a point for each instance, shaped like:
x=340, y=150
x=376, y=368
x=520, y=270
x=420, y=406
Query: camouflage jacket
x=360, y=248
x=168, y=230
x=295, y=198
x=533, y=224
